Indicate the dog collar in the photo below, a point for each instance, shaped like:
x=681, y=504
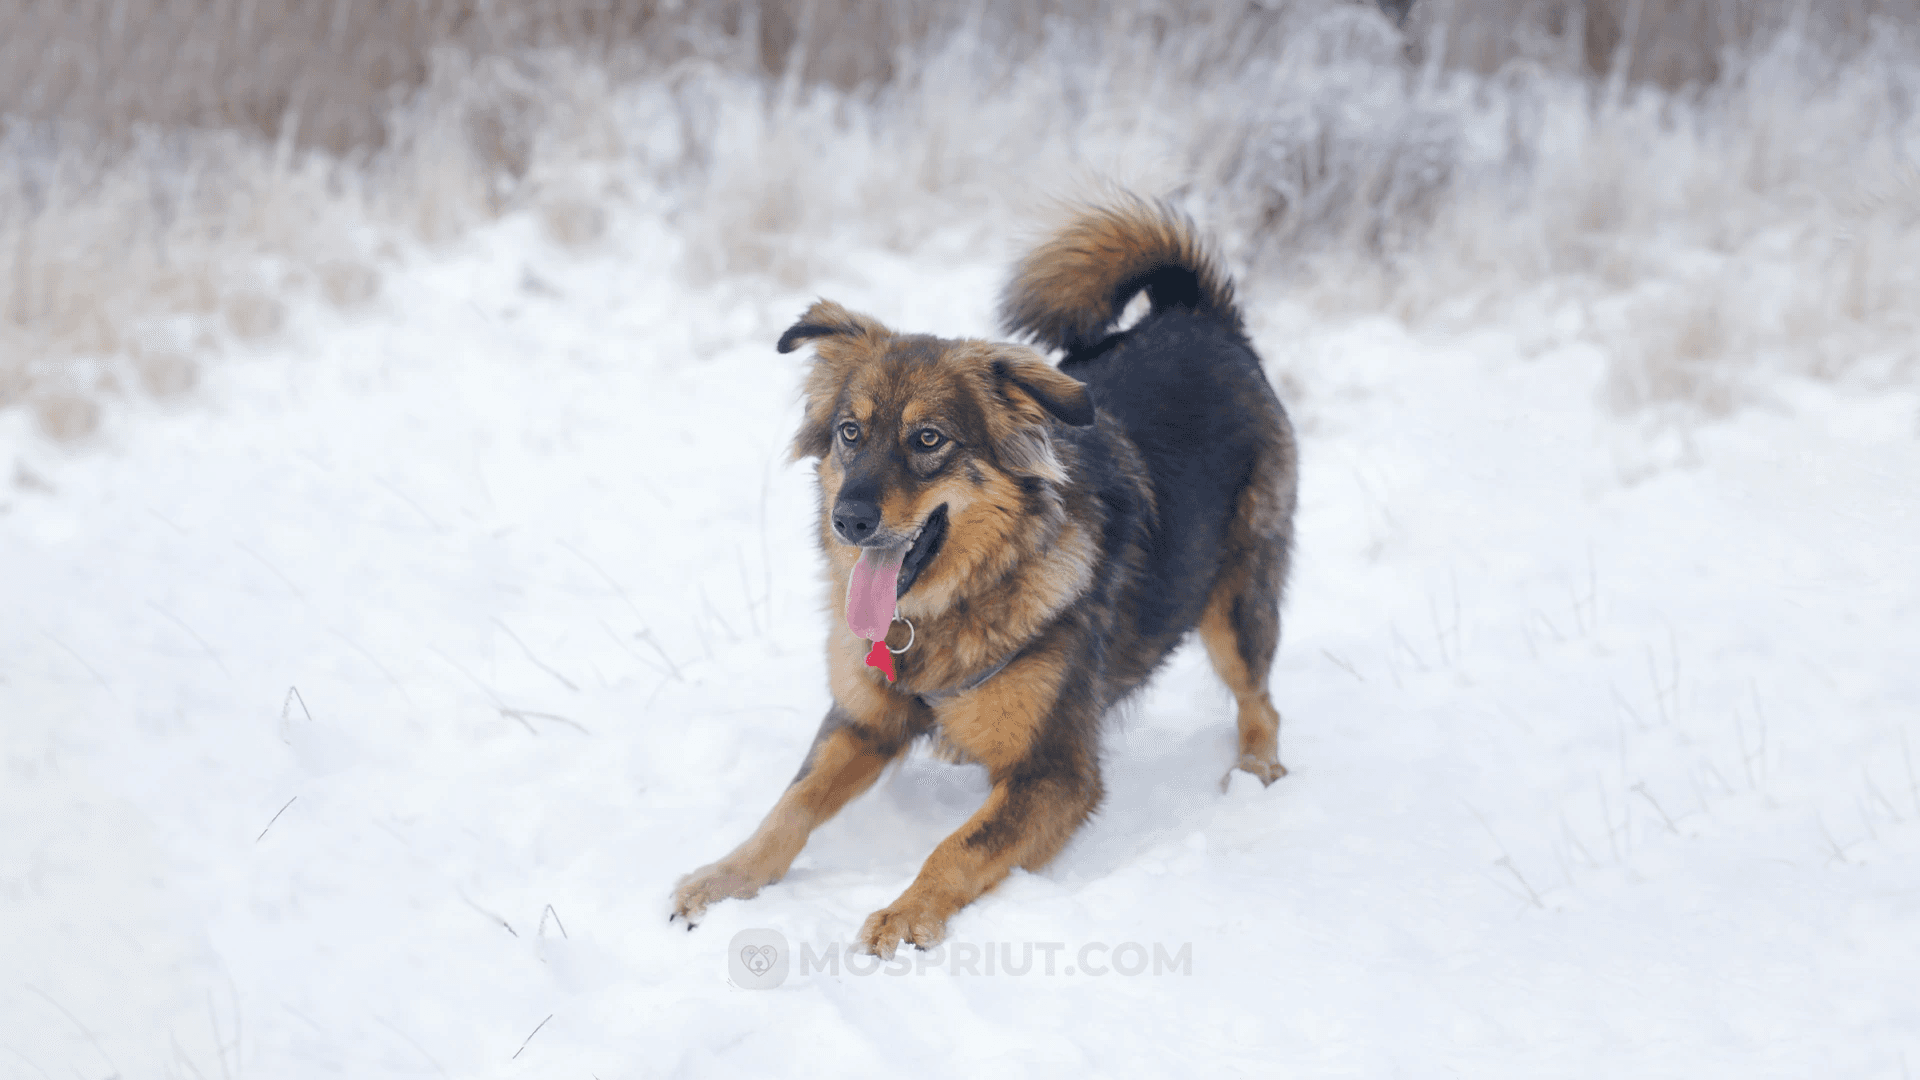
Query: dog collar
x=882, y=654
x=935, y=697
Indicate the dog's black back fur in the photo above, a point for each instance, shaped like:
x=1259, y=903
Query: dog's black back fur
x=1190, y=394
x=1186, y=388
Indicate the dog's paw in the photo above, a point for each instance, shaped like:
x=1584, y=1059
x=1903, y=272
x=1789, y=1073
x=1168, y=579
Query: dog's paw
x=913, y=922
x=1267, y=769
x=710, y=885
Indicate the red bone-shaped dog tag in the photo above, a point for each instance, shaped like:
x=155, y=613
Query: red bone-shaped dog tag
x=881, y=657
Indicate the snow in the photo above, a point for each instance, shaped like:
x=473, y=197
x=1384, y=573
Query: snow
x=361, y=709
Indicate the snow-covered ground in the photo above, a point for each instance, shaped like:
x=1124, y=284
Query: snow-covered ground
x=361, y=709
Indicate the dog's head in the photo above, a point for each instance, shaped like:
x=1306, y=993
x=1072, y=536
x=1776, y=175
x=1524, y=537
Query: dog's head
x=931, y=451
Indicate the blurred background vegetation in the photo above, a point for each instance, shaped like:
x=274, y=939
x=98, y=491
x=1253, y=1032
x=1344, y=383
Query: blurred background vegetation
x=1704, y=188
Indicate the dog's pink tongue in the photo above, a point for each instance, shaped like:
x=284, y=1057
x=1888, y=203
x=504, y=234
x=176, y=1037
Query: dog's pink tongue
x=872, y=591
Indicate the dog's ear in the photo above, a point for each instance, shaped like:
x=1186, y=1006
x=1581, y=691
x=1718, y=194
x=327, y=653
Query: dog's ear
x=826, y=319
x=1028, y=394
x=1062, y=395
x=837, y=335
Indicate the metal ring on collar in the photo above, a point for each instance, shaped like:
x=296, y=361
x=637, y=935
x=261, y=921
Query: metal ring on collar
x=910, y=636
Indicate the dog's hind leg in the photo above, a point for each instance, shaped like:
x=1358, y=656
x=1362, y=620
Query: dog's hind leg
x=1241, y=624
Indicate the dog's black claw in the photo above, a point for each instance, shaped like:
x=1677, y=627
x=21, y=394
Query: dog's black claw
x=689, y=928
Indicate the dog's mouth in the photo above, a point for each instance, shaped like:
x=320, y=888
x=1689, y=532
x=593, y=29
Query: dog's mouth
x=926, y=544
x=883, y=575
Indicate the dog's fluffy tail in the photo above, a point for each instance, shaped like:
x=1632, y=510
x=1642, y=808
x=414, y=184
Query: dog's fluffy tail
x=1069, y=292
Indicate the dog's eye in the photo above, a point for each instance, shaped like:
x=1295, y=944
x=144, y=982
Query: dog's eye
x=850, y=432
x=929, y=439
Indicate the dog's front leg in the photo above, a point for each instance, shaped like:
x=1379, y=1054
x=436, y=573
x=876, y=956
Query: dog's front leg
x=1036, y=737
x=847, y=755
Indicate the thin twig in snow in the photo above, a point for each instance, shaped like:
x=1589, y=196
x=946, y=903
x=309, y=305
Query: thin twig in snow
x=766, y=555
x=1613, y=690
x=1913, y=786
x=99, y=678
x=239, y=1026
x=275, y=571
x=84, y=1029
x=1506, y=858
x=180, y=1056
x=646, y=633
x=655, y=696
x=417, y=508
x=475, y=679
x=219, y=1037
x=1641, y=788
x=1620, y=732
x=536, y=661
x=1699, y=794
x=167, y=521
x=304, y=1018
x=1874, y=790
x=276, y=817
x=1342, y=665
x=542, y=932
x=628, y=649
x=1439, y=635
x=293, y=695
x=32, y=1064
x=1453, y=587
x=1566, y=830
x=491, y=915
x=1861, y=804
x=740, y=562
x=530, y=1035
x=1673, y=674
x=1746, y=758
x=1521, y=878
x=717, y=617
x=181, y=623
x=375, y=661
x=1500, y=884
x=1659, y=688
x=1402, y=642
x=1586, y=612
x=1725, y=788
x=1838, y=851
x=1606, y=813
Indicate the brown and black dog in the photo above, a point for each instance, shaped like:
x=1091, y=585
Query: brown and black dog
x=1033, y=541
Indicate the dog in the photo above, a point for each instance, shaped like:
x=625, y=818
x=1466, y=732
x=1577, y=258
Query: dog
x=1028, y=543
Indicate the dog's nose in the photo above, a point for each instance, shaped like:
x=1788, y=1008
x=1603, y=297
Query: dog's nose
x=855, y=519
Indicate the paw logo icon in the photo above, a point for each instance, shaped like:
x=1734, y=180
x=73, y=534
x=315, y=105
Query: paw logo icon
x=757, y=959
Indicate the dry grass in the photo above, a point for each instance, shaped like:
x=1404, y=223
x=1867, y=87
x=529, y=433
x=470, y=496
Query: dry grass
x=176, y=175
